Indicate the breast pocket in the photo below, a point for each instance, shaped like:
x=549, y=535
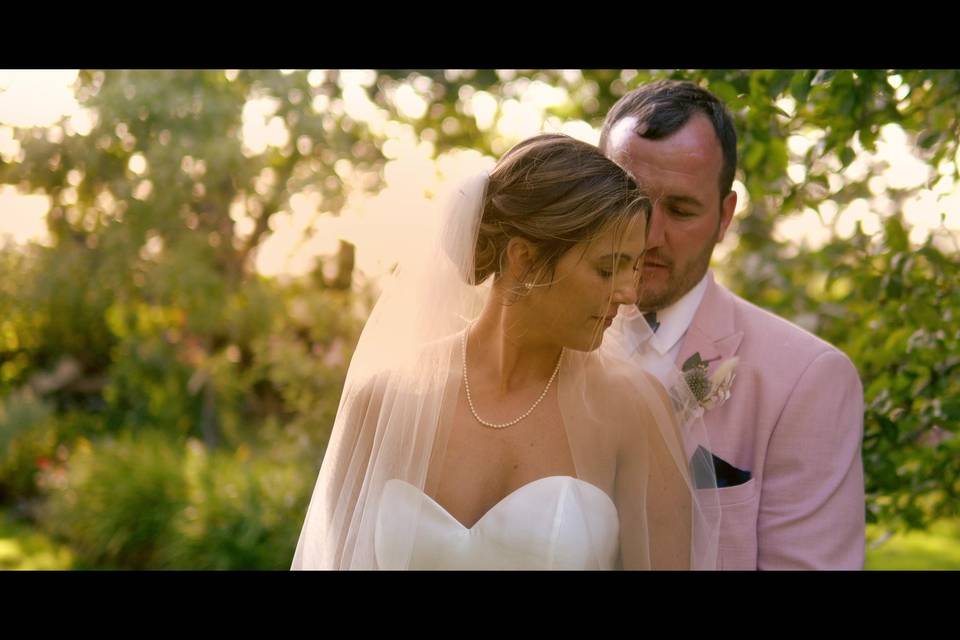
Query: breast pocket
x=738, y=525
x=730, y=496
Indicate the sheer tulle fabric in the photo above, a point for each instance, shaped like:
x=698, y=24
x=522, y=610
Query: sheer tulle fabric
x=632, y=505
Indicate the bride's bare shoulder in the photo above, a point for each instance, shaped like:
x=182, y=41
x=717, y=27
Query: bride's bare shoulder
x=620, y=375
x=420, y=363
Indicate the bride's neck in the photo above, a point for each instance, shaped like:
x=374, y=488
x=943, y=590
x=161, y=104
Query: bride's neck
x=505, y=344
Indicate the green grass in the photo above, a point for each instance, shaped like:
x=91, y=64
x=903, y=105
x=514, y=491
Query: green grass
x=24, y=548
x=937, y=548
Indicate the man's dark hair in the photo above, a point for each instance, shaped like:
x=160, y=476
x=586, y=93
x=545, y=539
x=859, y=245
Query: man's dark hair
x=664, y=106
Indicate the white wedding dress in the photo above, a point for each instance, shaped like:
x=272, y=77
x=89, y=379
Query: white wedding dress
x=557, y=522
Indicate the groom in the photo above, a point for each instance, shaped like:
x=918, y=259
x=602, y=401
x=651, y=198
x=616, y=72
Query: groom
x=786, y=444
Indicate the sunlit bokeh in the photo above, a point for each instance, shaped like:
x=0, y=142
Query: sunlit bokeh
x=382, y=224
x=36, y=98
x=22, y=217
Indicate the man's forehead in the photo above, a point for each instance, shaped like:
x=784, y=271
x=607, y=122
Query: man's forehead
x=680, y=157
x=629, y=150
x=621, y=134
x=696, y=137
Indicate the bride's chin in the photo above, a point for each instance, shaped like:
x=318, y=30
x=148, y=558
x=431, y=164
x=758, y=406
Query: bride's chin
x=590, y=343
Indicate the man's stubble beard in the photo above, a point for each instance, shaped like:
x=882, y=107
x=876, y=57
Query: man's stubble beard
x=678, y=284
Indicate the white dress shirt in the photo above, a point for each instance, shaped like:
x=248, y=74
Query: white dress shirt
x=658, y=351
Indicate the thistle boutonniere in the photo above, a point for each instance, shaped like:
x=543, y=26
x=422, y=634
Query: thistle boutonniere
x=710, y=391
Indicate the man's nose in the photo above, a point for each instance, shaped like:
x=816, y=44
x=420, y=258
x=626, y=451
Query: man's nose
x=656, y=232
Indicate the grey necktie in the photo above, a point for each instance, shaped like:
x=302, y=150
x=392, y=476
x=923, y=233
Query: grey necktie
x=651, y=318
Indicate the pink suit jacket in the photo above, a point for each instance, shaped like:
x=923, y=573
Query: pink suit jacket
x=794, y=419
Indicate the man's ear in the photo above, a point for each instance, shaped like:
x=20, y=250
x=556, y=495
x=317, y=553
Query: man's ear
x=727, y=207
x=521, y=255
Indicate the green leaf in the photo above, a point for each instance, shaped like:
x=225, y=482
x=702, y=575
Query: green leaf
x=951, y=409
x=777, y=158
x=928, y=139
x=780, y=82
x=781, y=112
x=724, y=90
x=800, y=86
x=896, y=236
x=847, y=155
x=754, y=155
x=868, y=137
x=693, y=361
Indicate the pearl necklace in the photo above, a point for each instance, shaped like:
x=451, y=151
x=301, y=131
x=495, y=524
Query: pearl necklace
x=466, y=385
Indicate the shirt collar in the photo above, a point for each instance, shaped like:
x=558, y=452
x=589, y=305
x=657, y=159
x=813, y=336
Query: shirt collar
x=674, y=320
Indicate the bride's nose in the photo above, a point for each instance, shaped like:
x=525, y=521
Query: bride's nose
x=625, y=291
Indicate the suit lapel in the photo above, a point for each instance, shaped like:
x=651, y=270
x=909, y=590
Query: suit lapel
x=712, y=333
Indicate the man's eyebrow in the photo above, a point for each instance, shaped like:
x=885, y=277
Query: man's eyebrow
x=679, y=199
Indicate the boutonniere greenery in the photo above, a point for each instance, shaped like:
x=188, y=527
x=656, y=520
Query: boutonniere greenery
x=710, y=391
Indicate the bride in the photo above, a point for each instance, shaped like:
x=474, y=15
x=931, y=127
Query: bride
x=485, y=423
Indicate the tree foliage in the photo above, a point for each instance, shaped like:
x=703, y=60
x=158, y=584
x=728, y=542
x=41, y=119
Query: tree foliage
x=144, y=312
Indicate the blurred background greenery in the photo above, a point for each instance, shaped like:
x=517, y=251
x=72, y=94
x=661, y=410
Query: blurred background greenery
x=188, y=257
